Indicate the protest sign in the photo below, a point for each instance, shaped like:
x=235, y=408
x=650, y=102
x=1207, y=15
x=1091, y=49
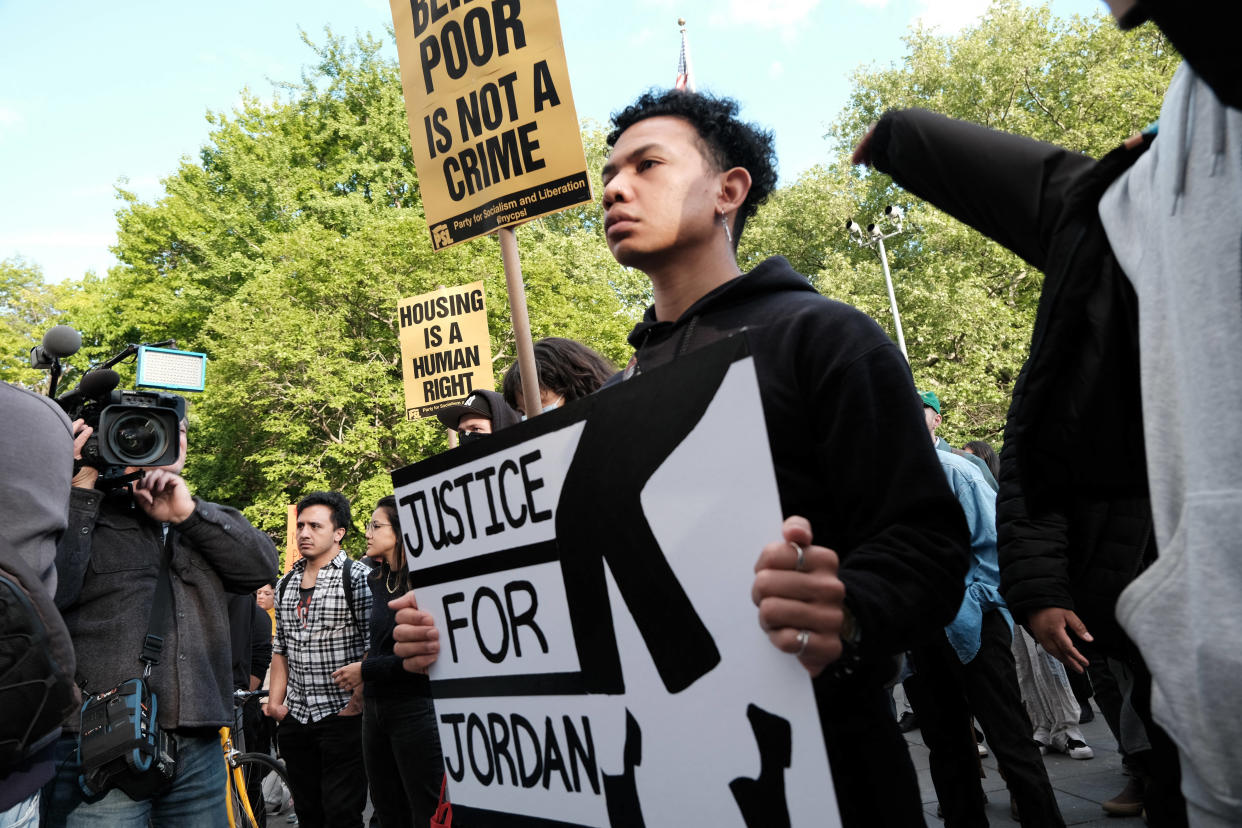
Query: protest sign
x=601, y=662
x=492, y=123
x=446, y=351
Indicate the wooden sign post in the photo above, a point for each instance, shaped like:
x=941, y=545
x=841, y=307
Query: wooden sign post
x=494, y=132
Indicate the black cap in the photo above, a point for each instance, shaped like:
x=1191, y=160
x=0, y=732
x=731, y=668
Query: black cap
x=486, y=404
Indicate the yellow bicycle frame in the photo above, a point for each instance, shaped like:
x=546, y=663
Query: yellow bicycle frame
x=234, y=779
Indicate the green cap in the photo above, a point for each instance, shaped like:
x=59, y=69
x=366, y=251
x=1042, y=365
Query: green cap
x=930, y=400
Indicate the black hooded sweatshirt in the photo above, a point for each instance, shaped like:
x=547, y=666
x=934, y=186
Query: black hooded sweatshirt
x=853, y=455
x=849, y=443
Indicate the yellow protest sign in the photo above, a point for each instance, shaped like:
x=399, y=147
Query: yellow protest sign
x=446, y=352
x=492, y=121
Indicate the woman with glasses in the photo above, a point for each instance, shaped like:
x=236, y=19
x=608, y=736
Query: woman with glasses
x=400, y=743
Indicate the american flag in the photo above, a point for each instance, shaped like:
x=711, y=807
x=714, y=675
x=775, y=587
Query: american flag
x=685, y=73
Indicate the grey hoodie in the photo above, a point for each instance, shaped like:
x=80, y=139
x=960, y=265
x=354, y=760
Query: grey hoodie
x=1174, y=220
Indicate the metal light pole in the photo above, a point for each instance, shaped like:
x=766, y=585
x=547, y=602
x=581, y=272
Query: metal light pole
x=874, y=238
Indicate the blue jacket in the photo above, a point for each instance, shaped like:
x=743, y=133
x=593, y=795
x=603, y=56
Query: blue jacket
x=978, y=502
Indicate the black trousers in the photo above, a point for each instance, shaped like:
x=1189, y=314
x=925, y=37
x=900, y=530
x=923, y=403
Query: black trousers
x=988, y=688
x=1159, y=768
x=326, y=773
x=401, y=744
x=1107, y=693
x=1163, y=800
x=874, y=778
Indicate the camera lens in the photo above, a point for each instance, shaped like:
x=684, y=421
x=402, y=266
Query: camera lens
x=138, y=439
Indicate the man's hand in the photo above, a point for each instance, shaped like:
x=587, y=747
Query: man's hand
x=791, y=601
x=274, y=711
x=354, y=706
x=862, y=152
x=417, y=639
x=349, y=677
x=164, y=496
x=1048, y=626
x=85, y=477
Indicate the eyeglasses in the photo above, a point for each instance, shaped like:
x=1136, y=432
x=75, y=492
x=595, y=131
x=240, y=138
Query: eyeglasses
x=373, y=525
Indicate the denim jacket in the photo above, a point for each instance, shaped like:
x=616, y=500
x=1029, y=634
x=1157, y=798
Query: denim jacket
x=978, y=502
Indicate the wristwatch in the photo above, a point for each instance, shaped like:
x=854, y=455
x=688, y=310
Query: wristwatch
x=851, y=639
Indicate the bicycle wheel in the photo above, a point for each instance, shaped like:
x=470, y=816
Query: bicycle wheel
x=253, y=768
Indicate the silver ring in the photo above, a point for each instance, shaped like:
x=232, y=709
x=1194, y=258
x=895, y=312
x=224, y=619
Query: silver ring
x=804, y=638
x=800, y=564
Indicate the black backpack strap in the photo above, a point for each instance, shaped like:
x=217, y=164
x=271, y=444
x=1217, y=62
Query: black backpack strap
x=347, y=578
x=282, y=587
x=153, y=643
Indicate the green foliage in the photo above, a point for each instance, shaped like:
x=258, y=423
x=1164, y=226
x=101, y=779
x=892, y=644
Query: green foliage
x=283, y=250
x=26, y=304
x=967, y=305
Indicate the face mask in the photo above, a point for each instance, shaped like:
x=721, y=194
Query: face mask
x=550, y=407
x=464, y=437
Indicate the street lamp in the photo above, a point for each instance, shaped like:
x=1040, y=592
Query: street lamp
x=874, y=237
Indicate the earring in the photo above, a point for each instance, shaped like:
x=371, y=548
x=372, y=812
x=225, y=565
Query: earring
x=724, y=222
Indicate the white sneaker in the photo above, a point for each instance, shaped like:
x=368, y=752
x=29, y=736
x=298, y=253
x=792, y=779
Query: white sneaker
x=983, y=749
x=1078, y=749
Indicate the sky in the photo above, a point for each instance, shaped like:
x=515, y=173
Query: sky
x=94, y=94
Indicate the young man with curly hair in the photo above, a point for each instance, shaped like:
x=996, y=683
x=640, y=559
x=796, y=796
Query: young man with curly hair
x=874, y=549
x=881, y=542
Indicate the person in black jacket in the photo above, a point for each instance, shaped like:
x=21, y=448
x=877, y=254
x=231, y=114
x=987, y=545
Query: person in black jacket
x=874, y=549
x=109, y=567
x=881, y=540
x=400, y=741
x=1076, y=524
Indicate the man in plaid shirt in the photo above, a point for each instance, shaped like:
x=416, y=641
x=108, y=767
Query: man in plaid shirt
x=316, y=682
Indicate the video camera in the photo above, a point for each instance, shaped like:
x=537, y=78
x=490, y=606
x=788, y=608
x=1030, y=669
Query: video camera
x=132, y=428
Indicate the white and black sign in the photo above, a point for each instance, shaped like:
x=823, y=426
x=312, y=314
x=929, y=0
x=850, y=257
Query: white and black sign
x=601, y=662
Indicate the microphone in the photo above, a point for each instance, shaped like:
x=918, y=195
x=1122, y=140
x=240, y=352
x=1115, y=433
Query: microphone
x=60, y=341
x=98, y=383
x=95, y=384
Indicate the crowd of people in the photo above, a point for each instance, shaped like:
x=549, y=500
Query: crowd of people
x=1102, y=541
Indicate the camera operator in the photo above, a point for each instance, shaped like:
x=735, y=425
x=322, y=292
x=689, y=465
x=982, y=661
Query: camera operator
x=109, y=565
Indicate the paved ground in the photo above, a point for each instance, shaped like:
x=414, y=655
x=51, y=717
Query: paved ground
x=1081, y=785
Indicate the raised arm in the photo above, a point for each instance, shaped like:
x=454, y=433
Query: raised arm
x=1005, y=186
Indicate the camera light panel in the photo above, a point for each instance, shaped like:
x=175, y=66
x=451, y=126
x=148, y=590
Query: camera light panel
x=166, y=368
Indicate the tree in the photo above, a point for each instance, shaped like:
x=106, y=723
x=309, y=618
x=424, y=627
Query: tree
x=967, y=305
x=27, y=307
x=283, y=251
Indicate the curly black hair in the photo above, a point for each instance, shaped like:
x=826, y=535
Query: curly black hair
x=727, y=141
x=566, y=367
